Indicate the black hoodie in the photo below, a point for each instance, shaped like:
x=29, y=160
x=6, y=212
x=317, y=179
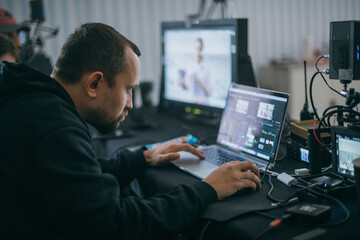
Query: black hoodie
x=53, y=187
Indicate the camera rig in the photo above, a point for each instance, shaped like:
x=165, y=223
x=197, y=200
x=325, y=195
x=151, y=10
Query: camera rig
x=32, y=52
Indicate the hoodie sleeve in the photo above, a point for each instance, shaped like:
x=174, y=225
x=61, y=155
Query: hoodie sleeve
x=69, y=190
x=126, y=166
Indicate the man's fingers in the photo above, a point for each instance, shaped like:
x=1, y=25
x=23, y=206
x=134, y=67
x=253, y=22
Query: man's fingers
x=246, y=166
x=246, y=183
x=176, y=147
x=169, y=157
x=250, y=176
x=184, y=139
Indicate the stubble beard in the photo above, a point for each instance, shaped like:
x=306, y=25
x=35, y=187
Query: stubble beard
x=96, y=118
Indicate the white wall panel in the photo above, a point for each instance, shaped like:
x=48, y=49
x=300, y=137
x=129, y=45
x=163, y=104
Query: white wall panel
x=277, y=28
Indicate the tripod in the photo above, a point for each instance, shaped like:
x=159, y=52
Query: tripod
x=225, y=8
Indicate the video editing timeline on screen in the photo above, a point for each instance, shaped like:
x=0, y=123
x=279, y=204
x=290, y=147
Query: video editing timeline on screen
x=257, y=135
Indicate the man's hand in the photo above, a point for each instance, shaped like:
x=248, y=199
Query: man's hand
x=168, y=152
x=234, y=176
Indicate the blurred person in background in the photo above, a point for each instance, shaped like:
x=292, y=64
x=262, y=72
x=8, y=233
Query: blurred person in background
x=10, y=27
x=8, y=50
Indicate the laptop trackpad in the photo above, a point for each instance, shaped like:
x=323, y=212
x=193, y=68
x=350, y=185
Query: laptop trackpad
x=191, y=162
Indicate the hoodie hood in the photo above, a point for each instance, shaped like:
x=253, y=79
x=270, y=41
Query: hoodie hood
x=18, y=79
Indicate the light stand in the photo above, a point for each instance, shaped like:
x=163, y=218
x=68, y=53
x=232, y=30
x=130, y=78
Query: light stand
x=226, y=8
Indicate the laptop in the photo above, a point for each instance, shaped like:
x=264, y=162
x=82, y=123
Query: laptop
x=250, y=129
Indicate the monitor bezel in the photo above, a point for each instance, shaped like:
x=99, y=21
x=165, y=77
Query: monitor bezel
x=196, y=110
x=346, y=131
x=273, y=93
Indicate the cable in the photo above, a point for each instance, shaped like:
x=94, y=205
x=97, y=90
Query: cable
x=274, y=223
x=281, y=158
x=278, y=221
x=346, y=211
x=315, y=135
x=291, y=199
x=326, y=168
x=311, y=84
x=202, y=234
x=311, y=96
x=331, y=107
x=317, y=68
x=265, y=171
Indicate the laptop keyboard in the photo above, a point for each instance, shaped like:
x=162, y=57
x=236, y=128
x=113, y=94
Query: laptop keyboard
x=218, y=157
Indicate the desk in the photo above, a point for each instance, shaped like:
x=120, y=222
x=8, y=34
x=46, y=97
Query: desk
x=164, y=178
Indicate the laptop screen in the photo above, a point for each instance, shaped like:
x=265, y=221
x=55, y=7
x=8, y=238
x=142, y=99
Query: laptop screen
x=252, y=120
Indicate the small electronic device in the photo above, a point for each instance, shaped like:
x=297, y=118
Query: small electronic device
x=199, y=61
x=305, y=147
x=345, y=50
x=37, y=11
x=326, y=181
x=190, y=139
x=310, y=213
x=345, y=148
x=287, y=179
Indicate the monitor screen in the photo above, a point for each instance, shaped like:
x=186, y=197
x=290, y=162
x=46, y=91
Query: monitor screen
x=199, y=62
x=346, y=145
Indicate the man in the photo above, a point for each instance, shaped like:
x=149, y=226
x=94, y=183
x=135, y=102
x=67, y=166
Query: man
x=10, y=27
x=53, y=187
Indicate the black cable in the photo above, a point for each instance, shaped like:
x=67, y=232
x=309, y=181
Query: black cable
x=271, y=189
x=346, y=211
x=324, y=56
x=264, y=174
x=326, y=117
x=276, y=222
x=262, y=232
x=287, y=200
x=331, y=107
x=281, y=158
x=316, y=64
x=202, y=234
x=328, y=109
x=311, y=96
x=311, y=84
x=343, y=110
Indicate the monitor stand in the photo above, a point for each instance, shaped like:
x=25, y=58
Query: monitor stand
x=139, y=120
x=206, y=120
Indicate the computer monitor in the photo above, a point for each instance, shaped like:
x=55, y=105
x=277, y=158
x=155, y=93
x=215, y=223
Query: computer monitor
x=199, y=61
x=345, y=148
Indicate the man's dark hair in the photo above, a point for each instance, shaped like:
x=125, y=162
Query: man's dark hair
x=93, y=47
x=8, y=47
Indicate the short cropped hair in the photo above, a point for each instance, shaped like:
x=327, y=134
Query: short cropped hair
x=8, y=47
x=93, y=47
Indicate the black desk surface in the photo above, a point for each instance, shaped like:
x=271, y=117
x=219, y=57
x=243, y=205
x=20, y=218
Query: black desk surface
x=158, y=127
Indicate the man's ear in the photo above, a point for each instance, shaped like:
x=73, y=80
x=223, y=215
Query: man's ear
x=93, y=82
